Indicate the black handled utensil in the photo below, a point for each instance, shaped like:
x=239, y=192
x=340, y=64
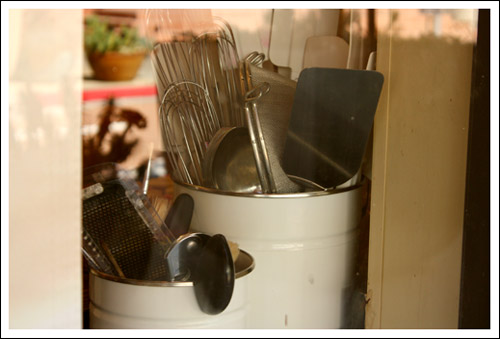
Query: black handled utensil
x=179, y=216
x=214, y=276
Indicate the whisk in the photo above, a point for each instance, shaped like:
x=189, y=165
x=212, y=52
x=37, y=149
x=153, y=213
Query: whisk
x=172, y=33
x=199, y=51
x=216, y=68
x=171, y=62
x=188, y=122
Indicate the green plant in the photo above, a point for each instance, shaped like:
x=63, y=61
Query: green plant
x=102, y=37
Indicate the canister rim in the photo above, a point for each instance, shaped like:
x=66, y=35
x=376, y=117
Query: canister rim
x=329, y=191
x=243, y=266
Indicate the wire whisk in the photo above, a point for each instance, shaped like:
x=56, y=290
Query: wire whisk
x=202, y=52
x=187, y=122
x=216, y=68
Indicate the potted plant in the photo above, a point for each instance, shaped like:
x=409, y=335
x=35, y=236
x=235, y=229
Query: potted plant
x=114, y=53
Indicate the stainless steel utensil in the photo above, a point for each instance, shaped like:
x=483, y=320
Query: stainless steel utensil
x=188, y=122
x=236, y=158
x=255, y=58
x=122, y=222
x=215, y=66
x=229, y=164
x=171, y=63
x=274, y=111
x=205, y=54
x=95, y=255
x=172, y=31
x=256, y=137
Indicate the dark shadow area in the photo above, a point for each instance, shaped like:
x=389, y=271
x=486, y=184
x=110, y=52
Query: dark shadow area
x=475, y=285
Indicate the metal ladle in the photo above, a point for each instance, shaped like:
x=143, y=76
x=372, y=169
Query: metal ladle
x=236, y=159
x=229, y=164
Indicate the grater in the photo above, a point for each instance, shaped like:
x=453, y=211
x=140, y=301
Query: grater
x=121, y=220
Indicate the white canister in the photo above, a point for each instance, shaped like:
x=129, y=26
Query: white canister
x=119, y=303
x=304, y=246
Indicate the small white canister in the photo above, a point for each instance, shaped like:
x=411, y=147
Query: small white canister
x=304, y=246
x=120, y=303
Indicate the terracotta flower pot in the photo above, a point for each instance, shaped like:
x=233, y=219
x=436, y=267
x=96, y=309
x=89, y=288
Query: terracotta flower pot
x=115, y=66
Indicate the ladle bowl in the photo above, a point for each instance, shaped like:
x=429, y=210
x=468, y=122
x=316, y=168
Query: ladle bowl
x=229, y=163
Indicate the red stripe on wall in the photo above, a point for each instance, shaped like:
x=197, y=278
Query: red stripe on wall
x=105, y=93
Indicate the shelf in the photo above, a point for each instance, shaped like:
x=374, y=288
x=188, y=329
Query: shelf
x=144, y=80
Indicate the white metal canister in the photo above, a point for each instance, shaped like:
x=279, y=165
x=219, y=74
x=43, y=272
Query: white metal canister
x=303, y=244
x=121, y=303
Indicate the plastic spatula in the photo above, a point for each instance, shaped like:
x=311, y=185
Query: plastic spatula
x=330, y=123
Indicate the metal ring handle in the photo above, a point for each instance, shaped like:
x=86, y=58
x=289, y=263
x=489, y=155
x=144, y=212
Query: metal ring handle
x=257, y=92
x=255, y=58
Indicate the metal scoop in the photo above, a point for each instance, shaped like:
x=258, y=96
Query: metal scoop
x=236, y=159
x=229, y=163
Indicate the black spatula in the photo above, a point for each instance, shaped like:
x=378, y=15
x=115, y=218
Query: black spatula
x=331, y=119
x=179, y=216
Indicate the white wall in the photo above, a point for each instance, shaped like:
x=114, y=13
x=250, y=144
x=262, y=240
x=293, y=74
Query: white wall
x=280, y=34
x=45, y=283
x=419, y=167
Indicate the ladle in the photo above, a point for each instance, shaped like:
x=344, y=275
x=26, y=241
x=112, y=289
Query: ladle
x=229, y=164
x=183, y=255
x=236, y=159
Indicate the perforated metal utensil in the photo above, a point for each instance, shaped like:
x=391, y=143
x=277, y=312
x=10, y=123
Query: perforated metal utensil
x=96, y=257
x=123, y=224
x=116, y=219
x=257, y=138
x=274, y=110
